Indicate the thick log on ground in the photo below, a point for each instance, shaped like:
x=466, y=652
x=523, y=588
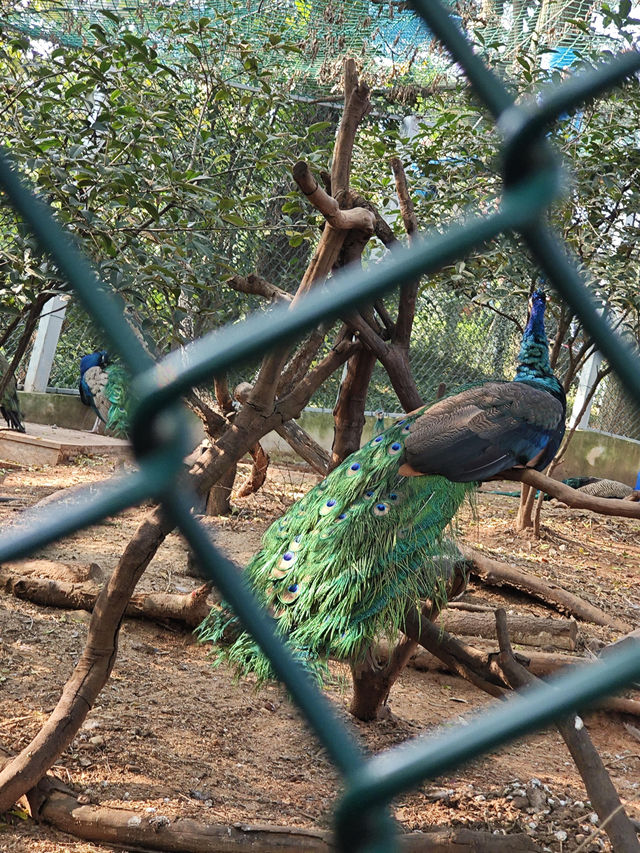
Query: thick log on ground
x=190, y=608
x=540, y=663
x=51, y=801
x=185, y=835
x=525, y=630
x=496, y=573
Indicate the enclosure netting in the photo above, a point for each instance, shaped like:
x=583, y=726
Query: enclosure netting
x=387, y=37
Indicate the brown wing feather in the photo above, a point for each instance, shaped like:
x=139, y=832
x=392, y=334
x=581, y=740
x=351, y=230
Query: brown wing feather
x=482, y=431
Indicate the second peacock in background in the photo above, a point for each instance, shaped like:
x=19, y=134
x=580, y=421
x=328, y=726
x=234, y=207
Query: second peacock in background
x=104, y=387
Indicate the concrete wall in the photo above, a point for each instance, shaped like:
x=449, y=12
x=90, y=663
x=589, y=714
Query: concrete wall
x=63, y=410
x=591, y=453
x=597, y=454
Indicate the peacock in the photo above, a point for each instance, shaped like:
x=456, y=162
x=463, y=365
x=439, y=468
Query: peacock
x=9, y=405
x=338, y=569
x=103, y=386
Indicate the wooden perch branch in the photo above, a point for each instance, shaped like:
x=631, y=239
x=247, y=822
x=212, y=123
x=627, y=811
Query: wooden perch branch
x=573, y=497
x=258, y=473
x=409, y=293
x=356, y=105
x=356, y=217
x=295, y=436
x=258, y=286
x=305, y=446
x=462, y=658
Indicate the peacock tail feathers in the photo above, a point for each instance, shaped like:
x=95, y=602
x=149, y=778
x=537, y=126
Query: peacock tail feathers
x=9, y=405
x=338, y=569
x=116, y=392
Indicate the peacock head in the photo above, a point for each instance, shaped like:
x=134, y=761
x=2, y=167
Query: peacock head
x=535, y=321
x=95, y=359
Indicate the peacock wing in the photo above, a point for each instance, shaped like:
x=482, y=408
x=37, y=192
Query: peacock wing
x=483, y=431
x=95, y=379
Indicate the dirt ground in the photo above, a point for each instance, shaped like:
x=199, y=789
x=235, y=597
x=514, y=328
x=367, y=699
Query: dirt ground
x=169, y=735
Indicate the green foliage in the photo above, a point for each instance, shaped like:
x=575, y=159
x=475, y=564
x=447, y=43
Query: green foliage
x=450, y=164
x=162, y=166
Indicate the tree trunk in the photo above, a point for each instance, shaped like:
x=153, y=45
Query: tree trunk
x=524, y=518
x=373, y=680
x=219, y=497
x=348, y=413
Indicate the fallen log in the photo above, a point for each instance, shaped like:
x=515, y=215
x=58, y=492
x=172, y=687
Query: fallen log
x=52, y=802
x=189, y=608
x=479, y=666
x=540, y=663
x=525, y=629
x=496, y=573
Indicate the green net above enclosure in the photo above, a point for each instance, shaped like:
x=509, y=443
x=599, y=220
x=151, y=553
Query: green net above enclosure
x=390, y=41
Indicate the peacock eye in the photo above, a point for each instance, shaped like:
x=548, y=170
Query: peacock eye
x=381, y=509
x=290, y=594
x=295, y=543
x=354, y=469
x=329, y=506
x=394, y=497
x=287, y=561
x=342, y=516
x=377, y=439
x=369, y=494
x=406, y=428
x=394, y=448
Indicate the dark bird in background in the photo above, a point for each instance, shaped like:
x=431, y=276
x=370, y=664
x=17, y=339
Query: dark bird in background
x=602, y=487
x=9, y=405
x=103, y=387
x=340, y=566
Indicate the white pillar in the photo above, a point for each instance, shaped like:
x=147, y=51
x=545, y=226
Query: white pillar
x=44, y=347
x=588, y=376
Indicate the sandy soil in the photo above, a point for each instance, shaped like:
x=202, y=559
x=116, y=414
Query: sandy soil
x=172, y=736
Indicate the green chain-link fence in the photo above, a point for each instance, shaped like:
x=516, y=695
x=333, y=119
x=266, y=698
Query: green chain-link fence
x=531, y=183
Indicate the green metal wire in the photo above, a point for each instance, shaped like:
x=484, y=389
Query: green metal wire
x=533, y=181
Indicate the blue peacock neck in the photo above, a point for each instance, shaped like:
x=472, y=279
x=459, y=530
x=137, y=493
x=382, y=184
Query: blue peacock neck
x=534, y=367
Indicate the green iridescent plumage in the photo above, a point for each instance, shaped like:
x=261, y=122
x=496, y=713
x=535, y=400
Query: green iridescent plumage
x=339, y=567
x=9, y=405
